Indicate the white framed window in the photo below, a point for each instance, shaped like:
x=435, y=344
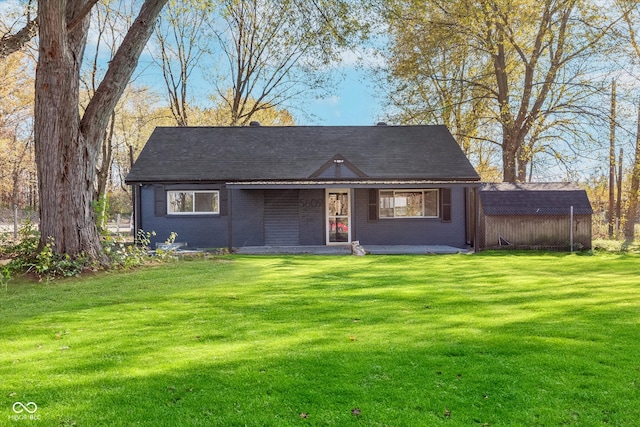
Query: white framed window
x=409, y=204
x=186, y=202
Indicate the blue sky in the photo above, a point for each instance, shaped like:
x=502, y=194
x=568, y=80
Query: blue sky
x=352, y=100
x=354, y=103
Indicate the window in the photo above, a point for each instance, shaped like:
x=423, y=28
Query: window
x=409, y=204
x=193, y=202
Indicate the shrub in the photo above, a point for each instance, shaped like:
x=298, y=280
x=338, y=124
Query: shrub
x=125, y=255
x=47, y=264
x=28, y=238
x=167, y=250
x=5, y=276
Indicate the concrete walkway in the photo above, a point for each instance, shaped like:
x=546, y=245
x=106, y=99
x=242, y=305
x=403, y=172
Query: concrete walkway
x=346, y=250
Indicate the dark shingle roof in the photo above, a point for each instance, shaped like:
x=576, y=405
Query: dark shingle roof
x=255, y=153
x=534, y=199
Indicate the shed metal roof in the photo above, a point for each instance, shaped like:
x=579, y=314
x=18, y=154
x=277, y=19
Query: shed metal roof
x=534, y=199
x=300, y=153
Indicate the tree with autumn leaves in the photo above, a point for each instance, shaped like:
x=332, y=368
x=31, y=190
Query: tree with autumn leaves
x=67, y=145
x=524, y=81
x=70, y=144
x=506, y=75
x=17, y=170
x=515, y=73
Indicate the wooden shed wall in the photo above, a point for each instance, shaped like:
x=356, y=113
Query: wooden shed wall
x=533, y=230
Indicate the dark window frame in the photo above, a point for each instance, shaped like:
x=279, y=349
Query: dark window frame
x=423, y=207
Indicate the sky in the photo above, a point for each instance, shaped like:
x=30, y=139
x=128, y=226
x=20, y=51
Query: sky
x=352, y=101
x=353, y=104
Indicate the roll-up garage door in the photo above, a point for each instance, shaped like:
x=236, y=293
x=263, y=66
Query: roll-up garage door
x=281, y=218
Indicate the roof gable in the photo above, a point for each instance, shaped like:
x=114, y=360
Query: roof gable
x=338, y=167
x=233, y=154
x=534, y=199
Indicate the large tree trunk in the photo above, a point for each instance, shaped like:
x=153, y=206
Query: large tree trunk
x=510, y=150
x=66, y=146
x=514, y=162
x=509, y=169
x=64, y=161
x=104, y=171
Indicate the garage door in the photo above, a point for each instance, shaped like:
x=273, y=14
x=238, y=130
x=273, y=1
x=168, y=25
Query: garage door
x=281, y=218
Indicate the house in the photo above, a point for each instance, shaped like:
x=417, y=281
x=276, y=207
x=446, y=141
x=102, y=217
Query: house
x=534, y=215
x=232, y=187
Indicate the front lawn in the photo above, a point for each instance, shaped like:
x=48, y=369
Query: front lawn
x=494, y=339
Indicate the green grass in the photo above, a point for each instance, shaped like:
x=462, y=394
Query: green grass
x=498, y=339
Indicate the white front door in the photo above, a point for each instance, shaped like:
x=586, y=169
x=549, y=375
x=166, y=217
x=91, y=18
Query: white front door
x=338, y=217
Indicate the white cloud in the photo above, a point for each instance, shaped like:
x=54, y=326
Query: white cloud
x=330, y=101
x=367, y=57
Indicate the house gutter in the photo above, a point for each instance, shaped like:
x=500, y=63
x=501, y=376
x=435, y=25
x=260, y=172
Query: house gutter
x=251, y=185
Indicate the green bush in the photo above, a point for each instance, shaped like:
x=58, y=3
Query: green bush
x=27, y=258
x=101, y=210
x=124, y=255
x=45, y=262
x=28, y=237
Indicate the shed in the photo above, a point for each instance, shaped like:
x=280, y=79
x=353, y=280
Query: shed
x=534, y=215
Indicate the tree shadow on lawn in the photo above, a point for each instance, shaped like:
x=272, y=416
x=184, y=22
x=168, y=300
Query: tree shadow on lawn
x=151, y=284
x=464, y=383
x=547, y=368
x=406, y=351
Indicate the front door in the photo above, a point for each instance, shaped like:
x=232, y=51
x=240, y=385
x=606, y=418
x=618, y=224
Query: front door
x=338, y=216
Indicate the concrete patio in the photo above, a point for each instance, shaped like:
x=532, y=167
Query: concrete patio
x=346, y=250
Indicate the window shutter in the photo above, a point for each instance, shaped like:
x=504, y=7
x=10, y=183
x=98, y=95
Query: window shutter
x=445, y=197
x=224, y=201
x=160, y=200
x=373, y=204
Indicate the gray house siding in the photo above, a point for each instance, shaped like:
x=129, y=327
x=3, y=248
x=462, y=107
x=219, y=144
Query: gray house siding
x=411, y=231
x=312, y=207
x=278, y=217
x=201, y=231
x=297, y=218
x=247, y=211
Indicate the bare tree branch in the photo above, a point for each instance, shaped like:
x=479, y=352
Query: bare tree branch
x=14, y=42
